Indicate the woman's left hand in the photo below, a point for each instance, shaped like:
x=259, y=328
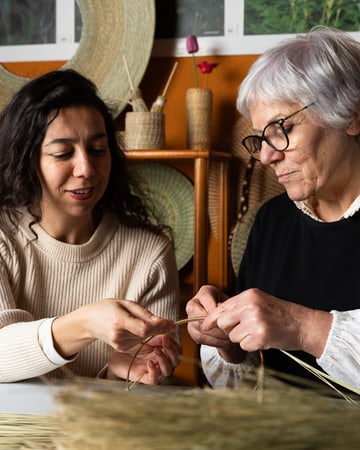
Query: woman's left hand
x=155, y=361
x=259, y=321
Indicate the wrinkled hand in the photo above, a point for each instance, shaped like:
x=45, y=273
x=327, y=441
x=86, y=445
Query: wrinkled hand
x=205, y=302
x=259, y=321
x=155, y=360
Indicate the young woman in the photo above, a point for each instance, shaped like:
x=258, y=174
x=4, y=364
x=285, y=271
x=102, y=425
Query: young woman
x=85, y=275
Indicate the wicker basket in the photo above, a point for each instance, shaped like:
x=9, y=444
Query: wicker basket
x=144, y=130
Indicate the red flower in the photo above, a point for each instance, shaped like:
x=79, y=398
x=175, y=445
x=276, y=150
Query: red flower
x=206, y=67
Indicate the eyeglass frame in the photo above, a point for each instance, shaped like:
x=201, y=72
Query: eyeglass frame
x=263, y=138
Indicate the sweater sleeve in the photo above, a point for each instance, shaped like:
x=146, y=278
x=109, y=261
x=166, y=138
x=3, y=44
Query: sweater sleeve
x=220, y=373
x=21, y=355
x=340, y=358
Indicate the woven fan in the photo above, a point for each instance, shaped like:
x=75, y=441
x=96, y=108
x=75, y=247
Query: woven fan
x=111, y=29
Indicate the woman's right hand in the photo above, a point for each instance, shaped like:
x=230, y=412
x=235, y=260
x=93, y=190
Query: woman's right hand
x=204, y=302
x=150, y=362
x=120, y=323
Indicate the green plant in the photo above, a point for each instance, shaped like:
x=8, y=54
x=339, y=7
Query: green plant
x=299, y=16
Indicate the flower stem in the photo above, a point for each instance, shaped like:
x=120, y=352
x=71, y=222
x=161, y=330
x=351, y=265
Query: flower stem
x=195, y=71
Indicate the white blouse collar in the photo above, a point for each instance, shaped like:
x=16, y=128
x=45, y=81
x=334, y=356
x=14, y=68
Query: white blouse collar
x=306, y=209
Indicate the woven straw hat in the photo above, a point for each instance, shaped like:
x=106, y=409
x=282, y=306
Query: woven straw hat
x=111, y=29
x=264, y=183
x=262, y=186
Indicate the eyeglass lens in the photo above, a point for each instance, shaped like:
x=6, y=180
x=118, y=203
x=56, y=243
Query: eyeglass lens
x=274, y=134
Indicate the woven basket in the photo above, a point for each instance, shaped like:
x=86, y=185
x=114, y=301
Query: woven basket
x=198, y=118
x=144, y=130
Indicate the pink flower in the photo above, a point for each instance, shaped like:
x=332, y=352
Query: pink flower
x=192, y=47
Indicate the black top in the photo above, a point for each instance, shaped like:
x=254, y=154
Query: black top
x=295, y=258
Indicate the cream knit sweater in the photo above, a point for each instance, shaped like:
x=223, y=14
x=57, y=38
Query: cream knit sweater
x=42, y=278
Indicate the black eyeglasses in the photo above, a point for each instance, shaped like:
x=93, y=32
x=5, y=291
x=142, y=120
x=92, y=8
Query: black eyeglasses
x=274, y=134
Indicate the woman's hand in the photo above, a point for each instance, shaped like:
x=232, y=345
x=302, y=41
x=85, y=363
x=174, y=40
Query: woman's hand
x=123, y=324
x=259, y=321
x=207, y=332
x=120, y=323
x=155, y=360
x=204, y=302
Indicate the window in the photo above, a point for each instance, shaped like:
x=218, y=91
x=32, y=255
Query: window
x=239, y=27
x=41, y=30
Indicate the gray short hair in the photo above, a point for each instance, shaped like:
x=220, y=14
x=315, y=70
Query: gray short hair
x=322, y=66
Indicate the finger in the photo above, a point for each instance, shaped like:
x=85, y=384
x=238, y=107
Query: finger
x=194, y=308
x=154, y=372
x=136, y=311
x=164, y=363
x=214, y=338
x=207, y=298
x=211, y=320
x=159, y=340
x=173, y=350
x=142, y=322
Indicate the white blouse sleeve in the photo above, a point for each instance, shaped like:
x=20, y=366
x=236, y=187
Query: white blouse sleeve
x=341, y=356
x=220, y=373
x=340, y=359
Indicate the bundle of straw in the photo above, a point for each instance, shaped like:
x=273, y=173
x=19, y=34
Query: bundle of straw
x=25, y=431
x=106, y=417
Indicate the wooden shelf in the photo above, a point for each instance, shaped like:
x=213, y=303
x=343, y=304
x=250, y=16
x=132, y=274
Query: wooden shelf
x=175, y=154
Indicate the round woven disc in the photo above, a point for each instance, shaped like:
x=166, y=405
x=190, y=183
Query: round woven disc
x=173, y=196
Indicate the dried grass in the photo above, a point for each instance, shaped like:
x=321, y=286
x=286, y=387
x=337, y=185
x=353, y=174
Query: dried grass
x=103, y=416
x=26, y=431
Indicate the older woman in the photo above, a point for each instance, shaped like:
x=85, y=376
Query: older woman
x=85, y=274
x=298, y=283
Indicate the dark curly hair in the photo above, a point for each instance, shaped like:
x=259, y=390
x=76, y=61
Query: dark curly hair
x=23, y=124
